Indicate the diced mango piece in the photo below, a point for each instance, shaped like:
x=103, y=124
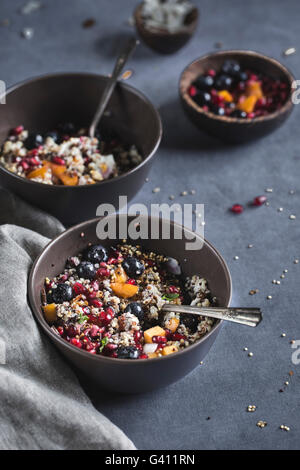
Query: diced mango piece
x=57, y=170
x=169, y=350
x=172, y=324
x=120, y=275
x=254, y=89
x=155, y=331
x=248, y=104
x=226, y=96
x=152, y=355
x=69, y=179
x=50, y=312
x=38, y=172
x=124, y=290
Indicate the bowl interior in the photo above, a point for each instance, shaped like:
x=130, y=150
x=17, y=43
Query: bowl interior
x=247, y=59
x=206, y=262
x=42, y=103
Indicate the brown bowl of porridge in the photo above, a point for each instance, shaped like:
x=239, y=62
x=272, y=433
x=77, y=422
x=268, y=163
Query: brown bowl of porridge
x=100, y=302
x=47, y=157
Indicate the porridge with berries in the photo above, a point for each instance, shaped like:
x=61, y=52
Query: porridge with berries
x=109, y=302
x=66, y=156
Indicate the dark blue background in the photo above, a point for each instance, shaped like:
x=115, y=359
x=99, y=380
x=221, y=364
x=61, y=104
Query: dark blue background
x=228, y=381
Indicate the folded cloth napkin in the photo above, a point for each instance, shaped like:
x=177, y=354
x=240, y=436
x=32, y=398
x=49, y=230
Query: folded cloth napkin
x=42, y=403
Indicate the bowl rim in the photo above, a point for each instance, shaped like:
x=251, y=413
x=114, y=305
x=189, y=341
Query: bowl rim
x=231, y=120
x=47, y=329
x=129, y=88
x=163, y=31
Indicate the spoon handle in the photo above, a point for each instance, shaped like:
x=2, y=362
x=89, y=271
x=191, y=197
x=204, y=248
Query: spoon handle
x=245, y=316
x=111, y=83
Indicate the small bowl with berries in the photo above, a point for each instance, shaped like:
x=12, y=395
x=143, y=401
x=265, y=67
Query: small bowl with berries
x=236, y=95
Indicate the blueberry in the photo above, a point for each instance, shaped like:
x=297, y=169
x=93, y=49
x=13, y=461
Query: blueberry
x=238, y=114
x=242, y=76
x=86, y=270
x=231, y=67
x=217, y=110
x=127, y=352
x=54, y=135
x=202, y=98
x=33, y=141
x=172, y=266
x=223, y=82
x=95, y=254
x=62, y=293
x=204, y=82
x=190, y=321
x=67, y=128
x=133, y=267
x=136, y=309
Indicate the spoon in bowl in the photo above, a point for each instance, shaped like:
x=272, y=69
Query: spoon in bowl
x=111, y=83
x=245, y=316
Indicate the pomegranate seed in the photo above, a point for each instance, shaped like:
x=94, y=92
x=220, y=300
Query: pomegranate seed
x=96, y=303
x=205, y=108
x=24, y=165
x=177, y=337
x=94, y=331
x=58, y=161
x=107, y=335
x=64, y=277
x=60, y=330
x=78, y=288
x=131, y=281
x=159, y=339
x=237, y=208
x=192, y=91
x=110, y=311
x=259, y=200
x=211, y=73
x=33, y=153
x=111, y=347
x=76, y=342
x=137, y=336
x=113, y=354
x=112, y=261
x=143, y=356
x=17, y=130
x=72, y=330
x=173, y=290
x=89, y=346
x=250, y=115
x=93, y=351
x=33, y=161
x=103, y=272
x=92, y=295
x=139, y=347
x=95, y=286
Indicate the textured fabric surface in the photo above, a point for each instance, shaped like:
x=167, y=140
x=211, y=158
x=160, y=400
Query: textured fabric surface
x=222, y=175
x=42, y=403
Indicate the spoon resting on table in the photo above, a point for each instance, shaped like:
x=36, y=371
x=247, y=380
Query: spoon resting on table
x=245, y=316
x=111, y=83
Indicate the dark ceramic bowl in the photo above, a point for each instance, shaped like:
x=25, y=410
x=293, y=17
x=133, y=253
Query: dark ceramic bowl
x=125, y=375
x=161, y=40
x=234, y=129
x=40, y=104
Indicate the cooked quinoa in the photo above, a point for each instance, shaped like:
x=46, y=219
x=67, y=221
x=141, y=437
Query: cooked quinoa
x=61, y=159
x=109, y=302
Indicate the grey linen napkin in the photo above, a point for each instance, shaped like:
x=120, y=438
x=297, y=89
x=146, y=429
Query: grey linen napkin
x=42, y=403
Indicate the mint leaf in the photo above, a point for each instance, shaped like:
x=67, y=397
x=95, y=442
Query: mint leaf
x=170, y=296
x=82, y=319
x=104, y=341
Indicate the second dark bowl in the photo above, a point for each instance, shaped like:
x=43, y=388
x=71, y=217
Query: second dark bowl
x=40, y=104
x=229, y=129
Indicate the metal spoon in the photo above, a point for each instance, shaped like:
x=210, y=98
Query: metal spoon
x=245, y=316
x=111, y=83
